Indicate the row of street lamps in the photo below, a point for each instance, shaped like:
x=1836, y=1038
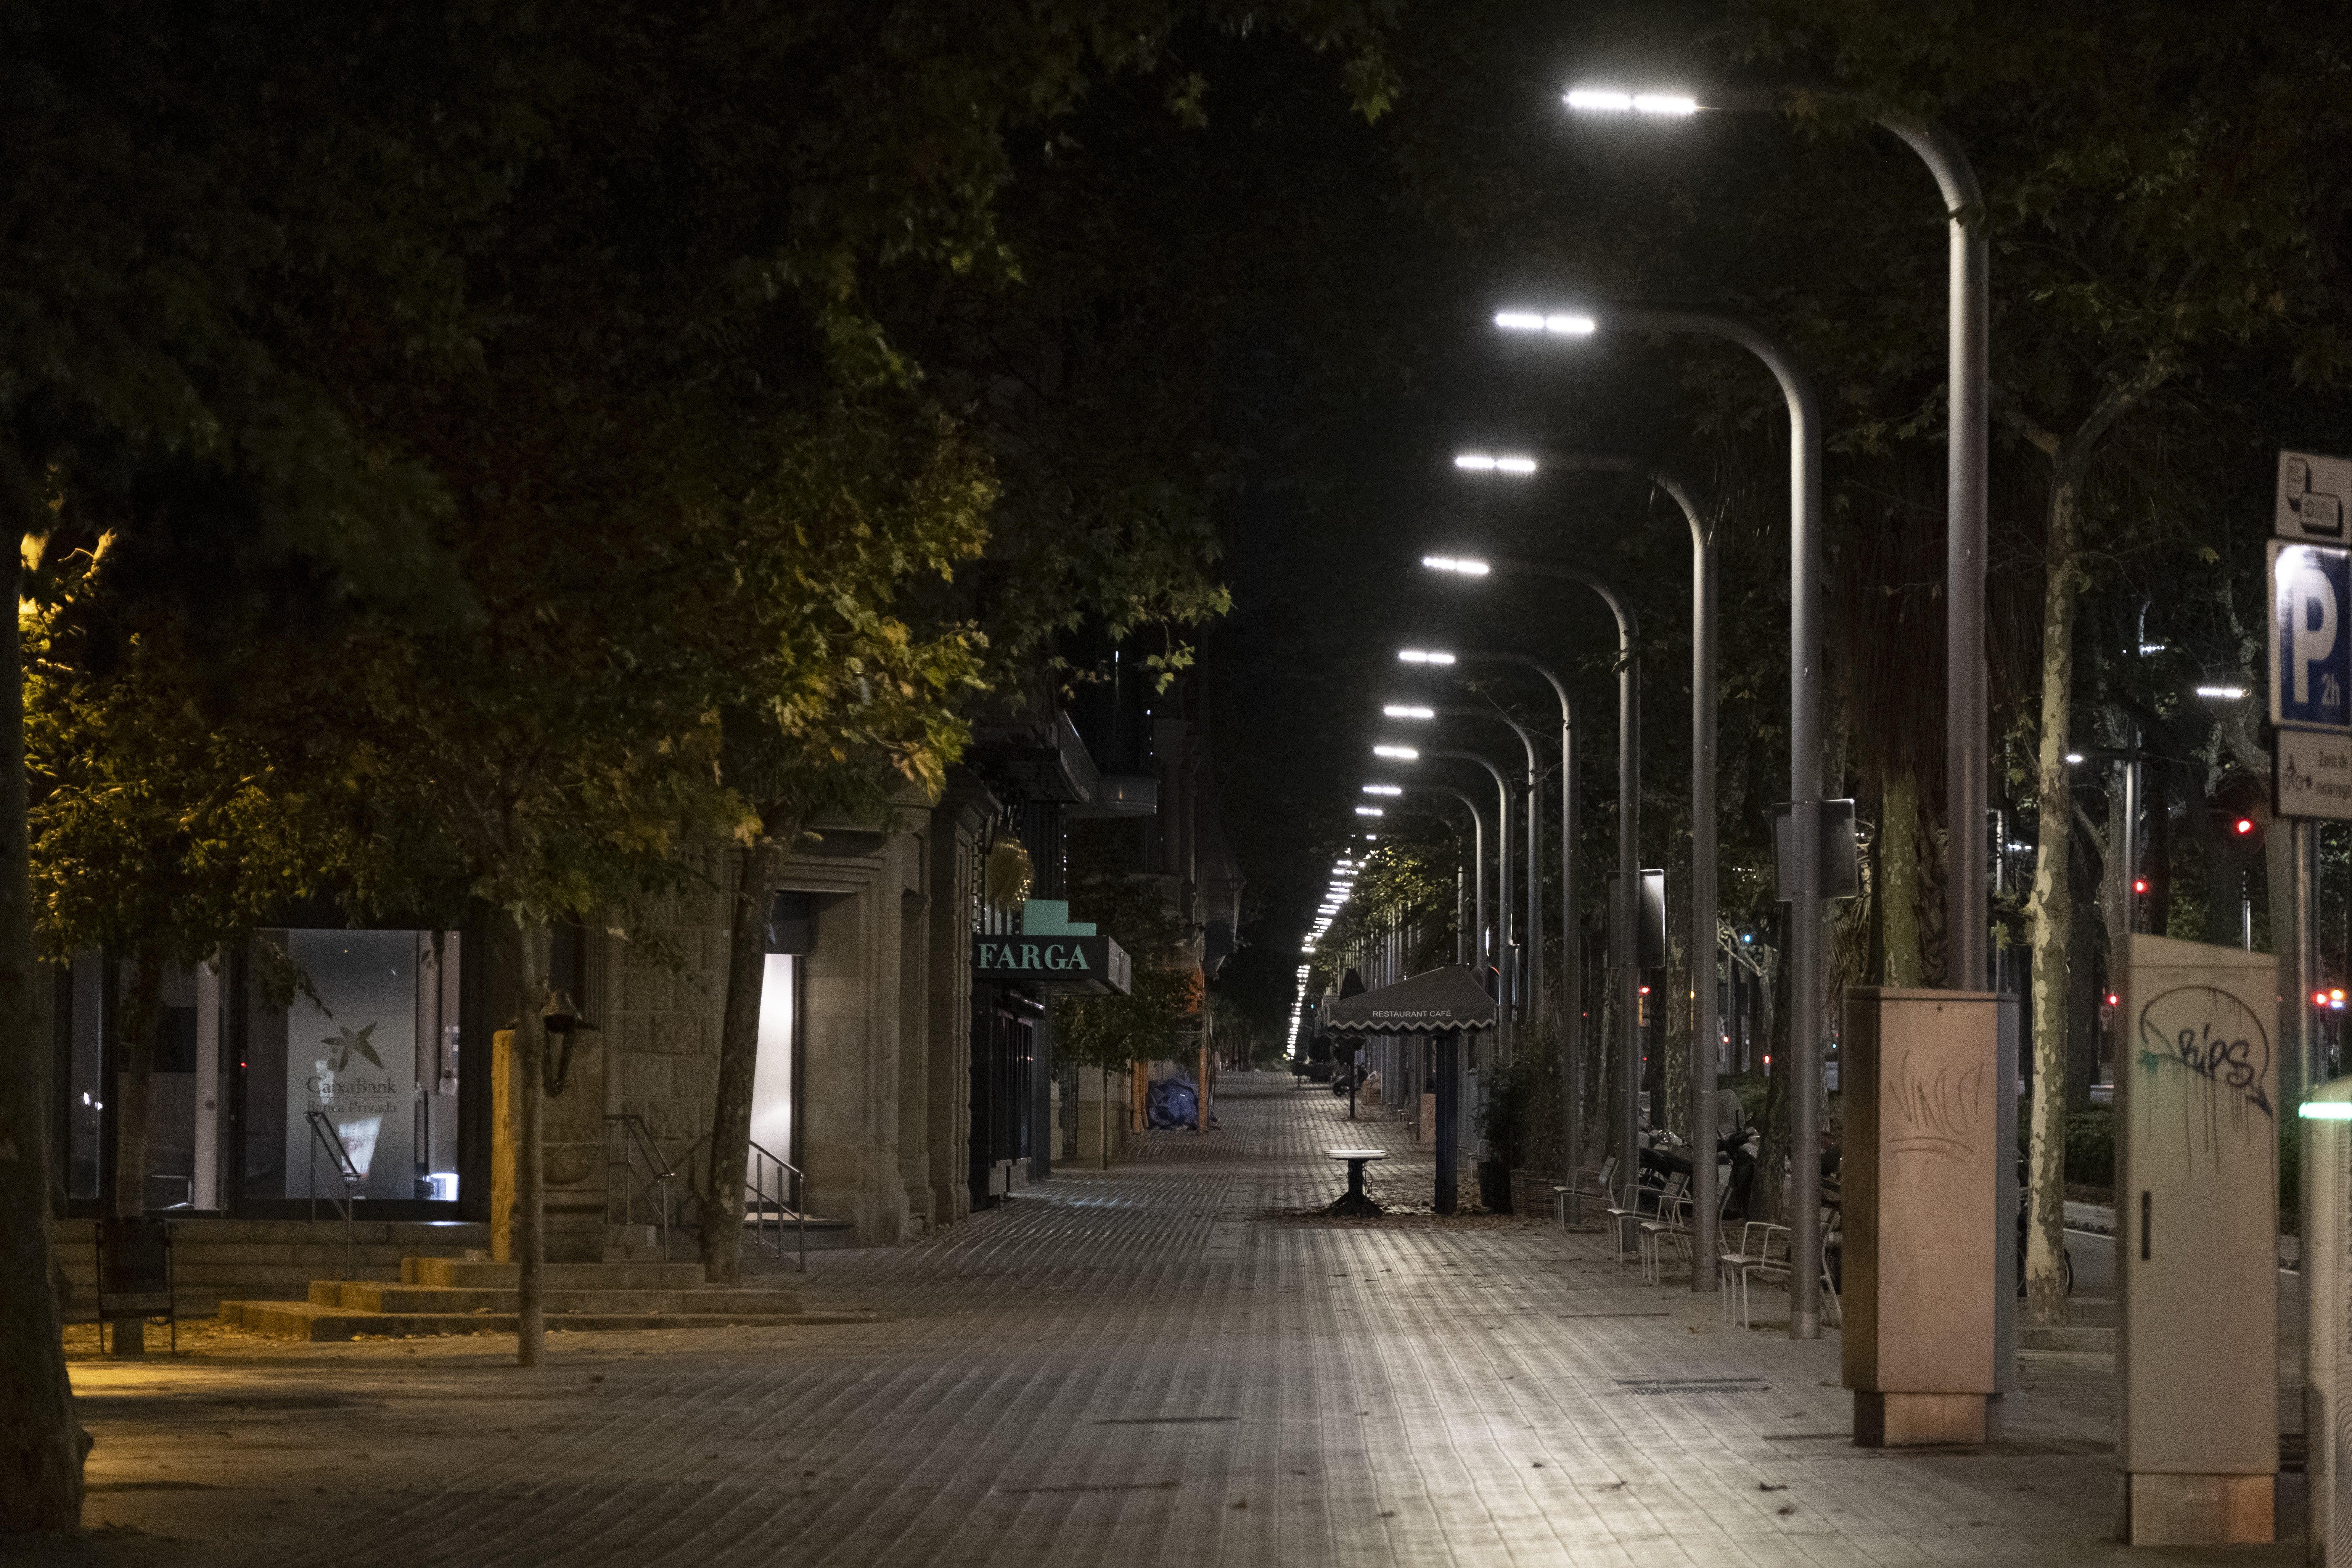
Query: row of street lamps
x=1800, y=880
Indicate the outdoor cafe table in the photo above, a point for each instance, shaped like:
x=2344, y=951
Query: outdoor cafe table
x=1355, y=1201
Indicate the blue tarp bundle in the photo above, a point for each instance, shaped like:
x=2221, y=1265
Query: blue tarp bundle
x=1172, y=1103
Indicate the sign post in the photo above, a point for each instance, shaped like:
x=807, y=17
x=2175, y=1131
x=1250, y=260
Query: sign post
x=2311, y=783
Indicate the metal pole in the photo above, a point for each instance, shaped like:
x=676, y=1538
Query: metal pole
x=1623, y=948
x=1706, y=1025
x=1965, y=746
x=1571, y=964
x=2307, y=1047
x=1532, y=936
x=1477, y=840
x=1805, y=1001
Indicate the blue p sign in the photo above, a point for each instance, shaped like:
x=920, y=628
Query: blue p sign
x=2311, y=641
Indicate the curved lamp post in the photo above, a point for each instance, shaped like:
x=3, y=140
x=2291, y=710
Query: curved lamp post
x=1624, y=954
x=1572, y=1005
x=1802, y=879
x=1402, y=754
x=1477, y=842
x=1966, y=293
x=1706, y=1025
x=1532, y=933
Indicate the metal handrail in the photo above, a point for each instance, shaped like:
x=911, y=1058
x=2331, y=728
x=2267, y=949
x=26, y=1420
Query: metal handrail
x=637, y=1139
x=323, y=1134
x=768, y=1181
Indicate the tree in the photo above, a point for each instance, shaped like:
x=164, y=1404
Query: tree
x=1159, y=1019
x=833, y=696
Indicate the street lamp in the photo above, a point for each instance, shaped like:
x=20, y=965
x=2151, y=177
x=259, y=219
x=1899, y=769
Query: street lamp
x=1624, y=955
x=1571, y=969
x=1478, y=857
x=1966, y=917
x=1502, y=809
x=1803, y=877
x=1705, y=1024
x=1534, y=927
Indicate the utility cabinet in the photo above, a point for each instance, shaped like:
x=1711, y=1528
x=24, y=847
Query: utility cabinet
x=1924, y=1144
x=2197, y=1243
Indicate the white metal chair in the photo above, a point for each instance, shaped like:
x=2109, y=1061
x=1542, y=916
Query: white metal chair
x=1670, y=1224
x=1585, y=1183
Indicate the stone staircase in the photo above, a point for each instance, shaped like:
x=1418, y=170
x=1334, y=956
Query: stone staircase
x=456, y=1296
x=215, y=1261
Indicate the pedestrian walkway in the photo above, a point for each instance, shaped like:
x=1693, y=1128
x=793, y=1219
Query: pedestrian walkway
x=1174, y=1361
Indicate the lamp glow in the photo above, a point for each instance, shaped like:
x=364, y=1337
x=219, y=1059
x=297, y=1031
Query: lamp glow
x=2221, y=694
x=1370, y=811
x=1491, y=463
x=1383, y=789
x=2326, y=1110
x=1462, y=566
x=2073, y=756
x=1407, y=710
x=1606, y=101
x=1422, y=656
x=1559, y=324
x=1402, y=754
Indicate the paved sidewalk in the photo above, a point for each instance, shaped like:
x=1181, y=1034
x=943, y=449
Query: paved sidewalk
x=1165, y=1364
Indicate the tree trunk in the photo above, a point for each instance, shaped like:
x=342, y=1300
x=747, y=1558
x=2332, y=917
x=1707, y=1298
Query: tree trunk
x=134, y=1038
x=1770, y=1198
x=2051, y=913
x=530, y=1145
x=722, y=1238
x=42, y=1446
x=1898, y=889
x=1675, y=1061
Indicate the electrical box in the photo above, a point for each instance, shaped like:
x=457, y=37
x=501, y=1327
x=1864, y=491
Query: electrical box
x=1923, y=1150
x=2197, y=1243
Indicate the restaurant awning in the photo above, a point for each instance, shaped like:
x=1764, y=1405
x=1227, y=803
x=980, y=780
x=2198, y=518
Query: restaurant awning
x=1440, y=1001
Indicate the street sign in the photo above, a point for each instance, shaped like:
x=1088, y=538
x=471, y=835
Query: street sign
x=2313, y=493
x=2313, y=774
x=2311, y=645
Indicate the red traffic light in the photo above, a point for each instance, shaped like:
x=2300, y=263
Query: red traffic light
x=2113, y=1000
x=2243, y=826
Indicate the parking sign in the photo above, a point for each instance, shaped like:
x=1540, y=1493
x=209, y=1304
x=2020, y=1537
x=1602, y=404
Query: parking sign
x=2311, y=645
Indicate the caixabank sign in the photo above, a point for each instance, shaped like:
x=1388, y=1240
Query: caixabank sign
x=1085, y=963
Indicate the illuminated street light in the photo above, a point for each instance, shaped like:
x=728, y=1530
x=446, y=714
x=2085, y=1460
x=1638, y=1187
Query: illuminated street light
x=1557, y=323
x=2221, y=694
x=1399, y=753
x=1408, y=710
x=1383, y=789
x=2073, y=756
x=1461, y=565
x=1422, y=656
x=1492, y=463
x=1604, y=100
x=1370, y=811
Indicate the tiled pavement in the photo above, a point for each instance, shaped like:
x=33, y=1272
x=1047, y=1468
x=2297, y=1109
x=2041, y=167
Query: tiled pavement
x=1165, y=1364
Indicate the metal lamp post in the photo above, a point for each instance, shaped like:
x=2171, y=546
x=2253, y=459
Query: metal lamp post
x=1706, y=1025
x=1966, y=749
x=1801, y=881
x=1624, y=945
x=1478, y=845
x=1532, y=932
x=1571, y=1004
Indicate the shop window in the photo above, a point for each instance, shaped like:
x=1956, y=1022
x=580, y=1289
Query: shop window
x=365, y=1053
